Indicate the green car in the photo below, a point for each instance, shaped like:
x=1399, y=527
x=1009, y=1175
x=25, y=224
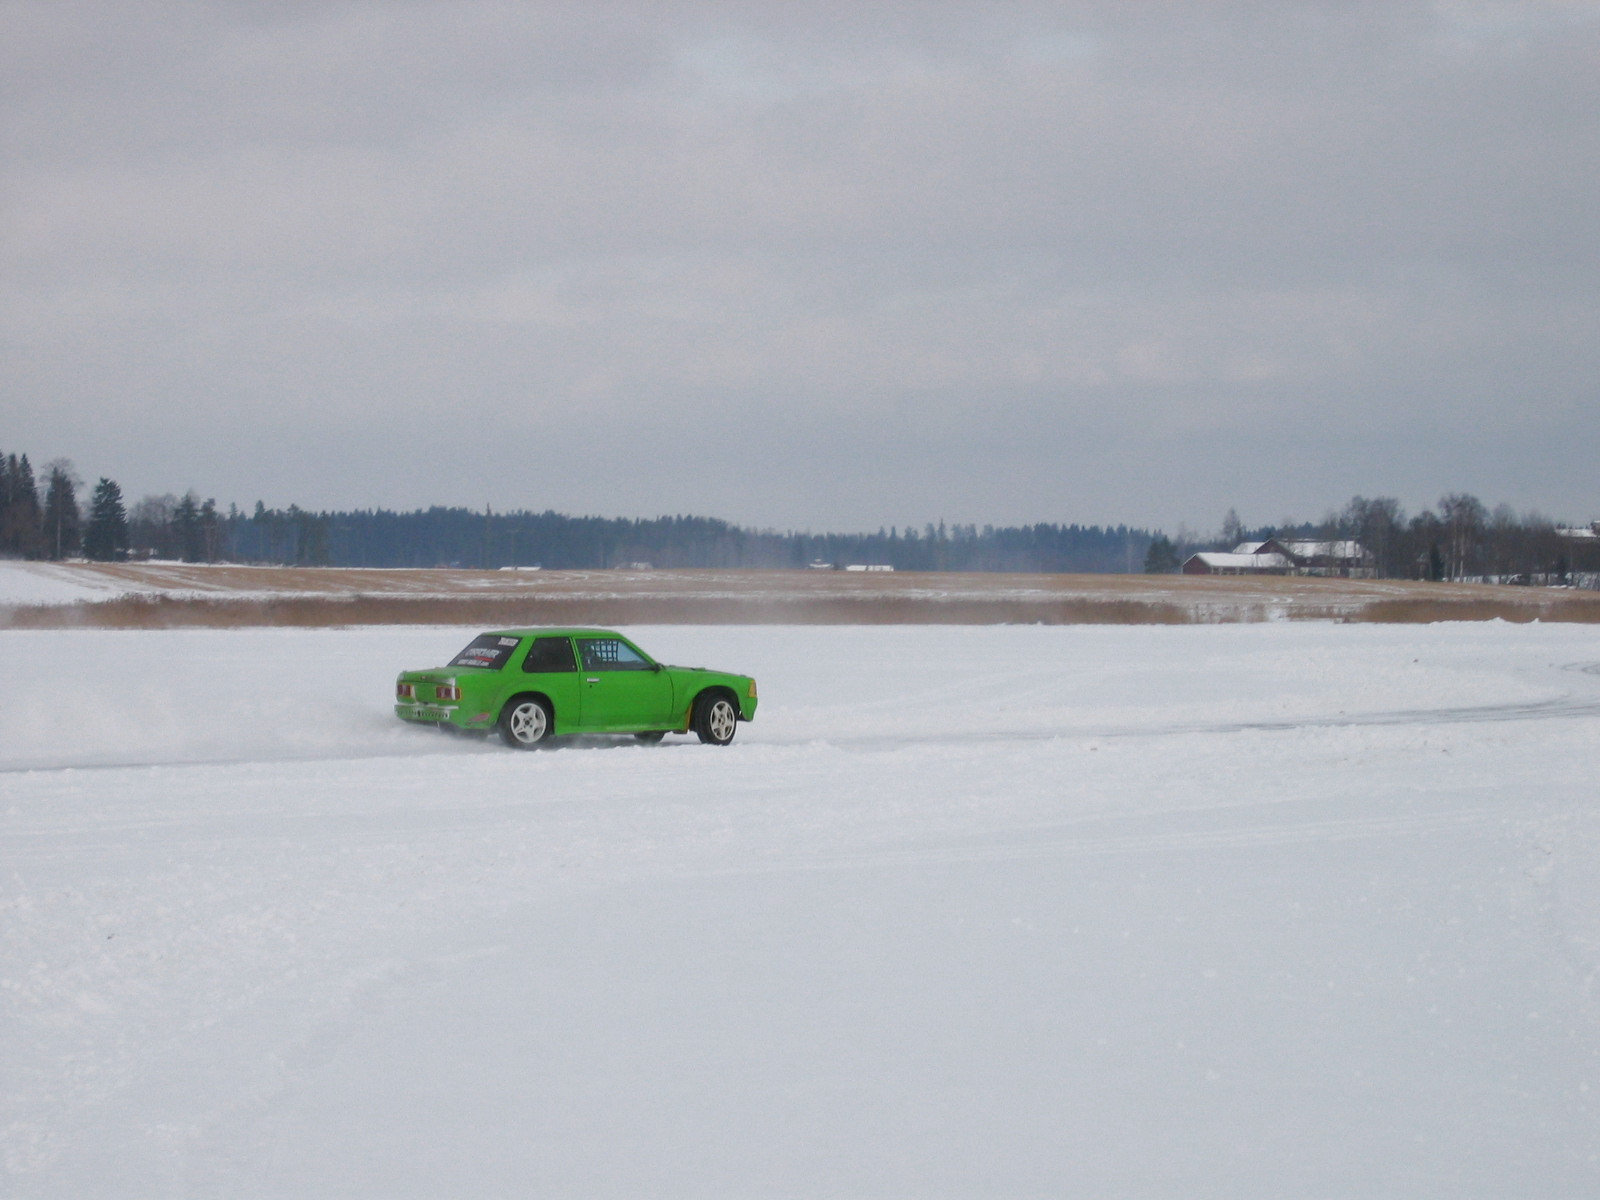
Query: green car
x=534, y=684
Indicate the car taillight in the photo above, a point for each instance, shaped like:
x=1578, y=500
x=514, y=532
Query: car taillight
x=447, y=691
x=405, y=691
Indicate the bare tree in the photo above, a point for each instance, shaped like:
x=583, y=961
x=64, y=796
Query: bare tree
x=1464, y=520
x=1232, y=530
x=1378, y=524
x=150, y=526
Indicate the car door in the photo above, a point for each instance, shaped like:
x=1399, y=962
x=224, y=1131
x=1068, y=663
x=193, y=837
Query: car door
x=548, y=666
x=622, y=689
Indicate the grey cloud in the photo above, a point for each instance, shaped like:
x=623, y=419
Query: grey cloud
x=853, y=262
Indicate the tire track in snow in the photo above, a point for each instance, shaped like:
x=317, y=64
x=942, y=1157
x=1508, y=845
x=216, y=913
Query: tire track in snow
x=137, y=764
x=1557, y=708
x=1537, y=711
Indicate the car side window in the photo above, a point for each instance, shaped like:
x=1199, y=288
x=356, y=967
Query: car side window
x=610, y=654
x=549, y=654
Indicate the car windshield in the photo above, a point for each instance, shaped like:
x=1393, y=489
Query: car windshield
x=487, y=650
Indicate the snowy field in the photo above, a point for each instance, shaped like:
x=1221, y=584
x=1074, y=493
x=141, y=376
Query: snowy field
x=1285, y=910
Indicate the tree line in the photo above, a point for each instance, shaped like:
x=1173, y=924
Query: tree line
x=1461, y=539
x=43, y=519
x=192, y=529
x=459, y=537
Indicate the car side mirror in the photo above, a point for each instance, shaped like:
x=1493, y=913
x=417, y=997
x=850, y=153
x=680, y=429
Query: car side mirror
x=656, y=667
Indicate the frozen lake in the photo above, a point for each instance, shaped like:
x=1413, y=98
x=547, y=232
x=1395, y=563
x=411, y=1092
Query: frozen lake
x=1245, y=910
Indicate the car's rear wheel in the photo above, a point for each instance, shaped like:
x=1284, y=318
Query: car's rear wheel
x=651, y=736
x=525, y=722
x=715, y=718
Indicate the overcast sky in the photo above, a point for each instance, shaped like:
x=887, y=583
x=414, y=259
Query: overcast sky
x=820, y=265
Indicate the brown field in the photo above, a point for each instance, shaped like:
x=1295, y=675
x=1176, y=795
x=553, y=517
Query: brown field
x=141, y=596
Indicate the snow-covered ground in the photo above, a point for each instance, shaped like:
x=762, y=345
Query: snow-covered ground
x=52, y=583
x=1270, y=910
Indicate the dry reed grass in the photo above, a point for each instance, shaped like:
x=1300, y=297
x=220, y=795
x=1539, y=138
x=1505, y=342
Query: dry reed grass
x=160, y=612
x=800, y=598
x=1422, y=611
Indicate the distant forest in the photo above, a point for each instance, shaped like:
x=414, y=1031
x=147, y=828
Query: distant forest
x=196, y=530
x=1463, y=540
x=459, y=537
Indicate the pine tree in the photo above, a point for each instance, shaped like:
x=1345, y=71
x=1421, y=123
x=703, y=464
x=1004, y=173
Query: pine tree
x=106, y=538
x=19, y=535
x=1162, y=557
x=5, y=496
x=63, y=523
x=210, y=532
x=187, y=525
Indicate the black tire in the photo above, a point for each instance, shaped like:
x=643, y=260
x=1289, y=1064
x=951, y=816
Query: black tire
x=525, y=722
x=651, y=736
x=716, y=718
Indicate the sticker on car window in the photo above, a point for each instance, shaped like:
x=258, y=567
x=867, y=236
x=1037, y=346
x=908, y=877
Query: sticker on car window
x=488, y=650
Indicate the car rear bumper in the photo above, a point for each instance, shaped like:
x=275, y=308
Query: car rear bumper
x=430, y=714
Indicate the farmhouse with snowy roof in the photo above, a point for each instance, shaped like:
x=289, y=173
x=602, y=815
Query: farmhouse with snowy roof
x=1346, y=559
x=1583, y=553
x=1241, y=561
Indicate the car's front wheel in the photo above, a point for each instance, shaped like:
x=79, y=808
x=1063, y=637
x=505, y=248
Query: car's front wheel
x=525, y=722
x=715, y=719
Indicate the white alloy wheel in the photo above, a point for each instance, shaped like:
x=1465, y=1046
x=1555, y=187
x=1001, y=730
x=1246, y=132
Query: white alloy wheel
x=717, y=720
x=525, y=723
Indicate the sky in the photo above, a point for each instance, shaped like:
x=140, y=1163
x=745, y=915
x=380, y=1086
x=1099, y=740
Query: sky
x=819, y=266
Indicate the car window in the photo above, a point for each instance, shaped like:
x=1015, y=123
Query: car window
x=548, y=654
x=610, y=654
x=487, y=650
